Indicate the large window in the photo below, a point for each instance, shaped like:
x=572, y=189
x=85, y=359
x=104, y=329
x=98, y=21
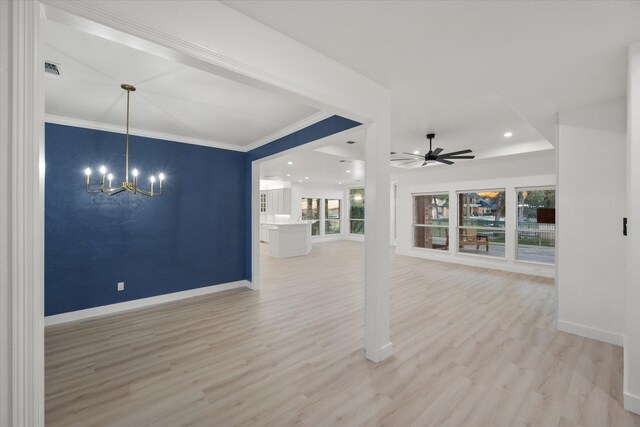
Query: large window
x=481, y=218
x=356, y=210
x=310, y=209
x=332, y=216
x=431, y=221
x=536, y=230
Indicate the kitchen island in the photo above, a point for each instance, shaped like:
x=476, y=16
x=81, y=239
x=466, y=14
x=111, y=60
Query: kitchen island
x=287, y=240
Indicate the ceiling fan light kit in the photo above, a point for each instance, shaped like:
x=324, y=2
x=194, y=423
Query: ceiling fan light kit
x=130, y=186
x=435, y=156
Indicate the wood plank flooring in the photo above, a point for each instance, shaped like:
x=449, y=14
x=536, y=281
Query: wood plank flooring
x=473, y=347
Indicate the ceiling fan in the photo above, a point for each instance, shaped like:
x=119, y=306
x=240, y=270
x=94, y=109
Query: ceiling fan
x=435, y=156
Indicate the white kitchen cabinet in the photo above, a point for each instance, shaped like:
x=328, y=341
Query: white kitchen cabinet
x=264, y=233
x=276, y=201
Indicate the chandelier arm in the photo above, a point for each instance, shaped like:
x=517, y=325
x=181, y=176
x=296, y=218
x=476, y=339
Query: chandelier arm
x=117, y=190
x=147, y=193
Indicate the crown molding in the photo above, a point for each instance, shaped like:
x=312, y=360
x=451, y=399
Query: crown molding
x=313, y=119
x=88, y=124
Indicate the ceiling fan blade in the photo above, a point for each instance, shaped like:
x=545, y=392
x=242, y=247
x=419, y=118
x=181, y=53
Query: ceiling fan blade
x=411, y=154
x=455, y=153
x=446, y=162
x=456, y=157
x=437, y=151
x=396, y=160
x=423, y=164
x=410, y=161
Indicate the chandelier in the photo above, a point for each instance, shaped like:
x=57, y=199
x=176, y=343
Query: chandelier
x=106, y=179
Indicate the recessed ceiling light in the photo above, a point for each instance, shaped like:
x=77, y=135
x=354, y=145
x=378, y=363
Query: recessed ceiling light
x=339, y=182
x=348, y=171
x=508, y=134
x=306, y=177
x=416, y=152
x=289, y=163
x=288, y=174
x=299, y=180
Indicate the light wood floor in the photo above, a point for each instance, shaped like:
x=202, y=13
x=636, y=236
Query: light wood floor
x=473, y=347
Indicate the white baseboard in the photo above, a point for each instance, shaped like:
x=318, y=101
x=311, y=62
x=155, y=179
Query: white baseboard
x=481, y=261
x=631, y=402
x=120, y=307
x=378, y=355
x=589, y=332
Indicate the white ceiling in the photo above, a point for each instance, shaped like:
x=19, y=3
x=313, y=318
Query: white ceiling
x=171, y=99
x=539, y=57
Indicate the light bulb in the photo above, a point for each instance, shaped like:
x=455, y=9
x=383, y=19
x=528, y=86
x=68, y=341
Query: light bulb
x=161, y=176
x=103, y=169
x=134, y=172
x=348, y=171
x=289, y=163
x=110, y=176
x=416, y=152
x=508, y=134
x=152, y=179
x=87, y=171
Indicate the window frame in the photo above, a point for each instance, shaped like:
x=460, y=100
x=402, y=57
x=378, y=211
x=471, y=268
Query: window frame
x=326, y=216
x=517, y=229
x=318, y=219
x=349, y=219
x=414, y=225
x=459, y=227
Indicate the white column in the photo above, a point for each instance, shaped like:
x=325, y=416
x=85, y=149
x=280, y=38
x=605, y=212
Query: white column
x=377, y=248
x=21, y=217
x=255, y=226
x=632, y=338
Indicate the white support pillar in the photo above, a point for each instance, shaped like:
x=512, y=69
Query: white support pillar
x=632, y=338
x=377, y=274
x=21, y=216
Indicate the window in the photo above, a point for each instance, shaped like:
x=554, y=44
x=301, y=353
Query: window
x=431, y=221
x=311, y=212
x=536, y=229
x=263, y=202
x=356, y=211
x=332, y=216
x=481, y=222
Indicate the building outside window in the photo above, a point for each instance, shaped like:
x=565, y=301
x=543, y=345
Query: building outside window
x=536, y=225
x=356, y=210
x=310, y=209
x=481, y=222
x=431, y=221
x=332, y=216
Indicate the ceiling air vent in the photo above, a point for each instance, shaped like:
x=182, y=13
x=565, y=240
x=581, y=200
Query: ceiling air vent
x=52, y=69
x=351, y=142
x=346, y=161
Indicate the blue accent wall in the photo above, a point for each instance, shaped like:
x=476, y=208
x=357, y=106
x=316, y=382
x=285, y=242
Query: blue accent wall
x=192, y=236
x=321, y=129
x=197, y=234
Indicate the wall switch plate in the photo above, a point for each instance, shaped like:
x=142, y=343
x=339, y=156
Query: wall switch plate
x=121, y=286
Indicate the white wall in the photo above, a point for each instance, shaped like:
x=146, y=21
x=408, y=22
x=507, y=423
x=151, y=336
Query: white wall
x=509, y=172
x=632, y=335
x=592, y=199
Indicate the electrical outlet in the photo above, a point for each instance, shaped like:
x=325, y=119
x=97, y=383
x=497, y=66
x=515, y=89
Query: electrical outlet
x=121, y=286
